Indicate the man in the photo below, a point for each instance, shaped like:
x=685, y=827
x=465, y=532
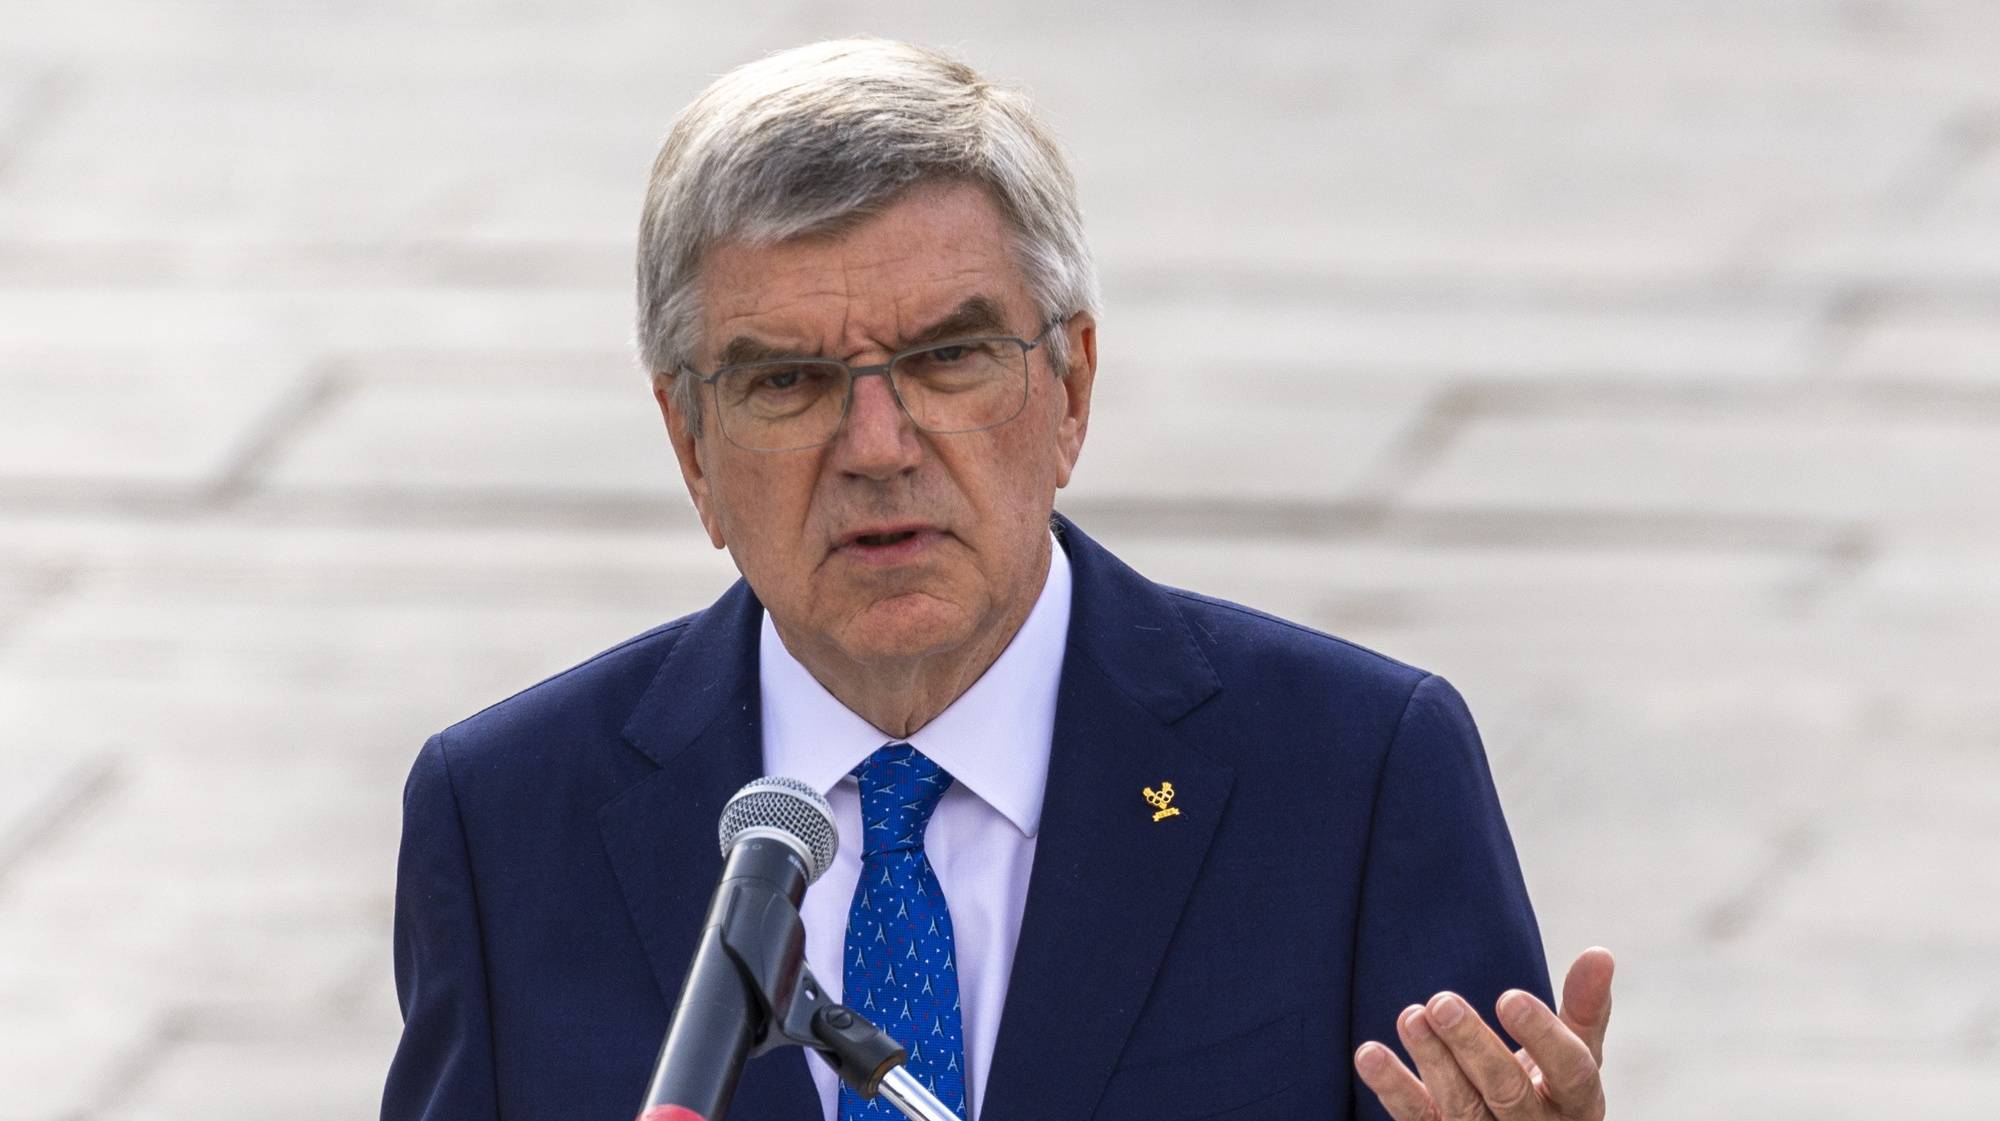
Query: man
x=1109, y=850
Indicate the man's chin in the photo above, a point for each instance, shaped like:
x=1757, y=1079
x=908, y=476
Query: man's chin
x=912, y=625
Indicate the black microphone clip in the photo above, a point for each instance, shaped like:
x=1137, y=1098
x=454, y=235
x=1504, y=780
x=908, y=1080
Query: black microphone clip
x=767, y=943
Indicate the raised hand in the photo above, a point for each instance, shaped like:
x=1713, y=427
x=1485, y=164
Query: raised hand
x=1467, y=1073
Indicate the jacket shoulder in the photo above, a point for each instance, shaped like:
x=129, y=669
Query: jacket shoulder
x=1257, y=643
x=549, y=719
x=1302, y=713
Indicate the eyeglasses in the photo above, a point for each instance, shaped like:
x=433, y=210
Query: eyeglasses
x=788, y=404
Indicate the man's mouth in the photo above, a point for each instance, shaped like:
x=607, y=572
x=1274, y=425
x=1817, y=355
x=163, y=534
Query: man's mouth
x=890, y=544
x=876, y=539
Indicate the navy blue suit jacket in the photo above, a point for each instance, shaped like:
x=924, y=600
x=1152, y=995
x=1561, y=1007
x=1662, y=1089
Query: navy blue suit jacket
x=1339, y=854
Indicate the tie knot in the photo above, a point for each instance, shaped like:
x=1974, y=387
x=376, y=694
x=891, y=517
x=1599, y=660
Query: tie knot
x=900, y=786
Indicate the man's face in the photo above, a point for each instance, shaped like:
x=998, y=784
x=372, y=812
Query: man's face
x=887, y=543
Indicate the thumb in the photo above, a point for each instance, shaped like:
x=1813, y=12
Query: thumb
x=1586, y=998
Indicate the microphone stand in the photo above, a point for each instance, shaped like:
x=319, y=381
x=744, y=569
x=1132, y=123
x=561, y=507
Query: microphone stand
x=853, y=1048
x=765, y=945
x=864, y=1056
x=909, y=1096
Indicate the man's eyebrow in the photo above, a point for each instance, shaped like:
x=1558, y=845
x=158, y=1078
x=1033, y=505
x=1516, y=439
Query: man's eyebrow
x=744, y=348
x=976, y=315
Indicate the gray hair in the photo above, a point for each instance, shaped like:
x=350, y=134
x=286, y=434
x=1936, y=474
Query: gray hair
x=816, y=139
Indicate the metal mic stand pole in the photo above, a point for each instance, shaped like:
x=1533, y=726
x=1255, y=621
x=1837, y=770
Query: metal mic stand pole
x=870, y=1062
x=909, y=1096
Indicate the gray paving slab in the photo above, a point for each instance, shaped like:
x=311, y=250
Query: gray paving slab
x=1788, y=857
x=1312, y=346
x=1829, y=466
x=22, y=90
x=1488, y=588
x=220, y=324
x=1928, y=252
x=255, y=1070
x=63, y=1055
x=160, y=637
x=1771, y=56
x=1547, y=179
x=1943, y=1087
x=1927, y=893
x=569, y=439
x=1819, y=1018
x=24, y=586
x=1162, y=232
x=224, y=958
x=215, y=157
x=1820, y=672
x=219, y=559
x=270, y=644
x=74, y=421
x=1936, y=345
x=1304, y=452
x=1885, y=1008
x=1973, y=185
x=1934, y=580
x=43, y=787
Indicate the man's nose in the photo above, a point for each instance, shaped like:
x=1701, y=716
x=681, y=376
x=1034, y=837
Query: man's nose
x=877, y=439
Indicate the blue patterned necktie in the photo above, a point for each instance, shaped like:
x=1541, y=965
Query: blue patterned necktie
x=900, y=971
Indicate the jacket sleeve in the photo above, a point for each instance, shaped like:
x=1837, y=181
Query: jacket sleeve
x=443, y=1068
x=1443, y=905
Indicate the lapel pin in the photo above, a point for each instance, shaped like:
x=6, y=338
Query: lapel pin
x=1162, y=800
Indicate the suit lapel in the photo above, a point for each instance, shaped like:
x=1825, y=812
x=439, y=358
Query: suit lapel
x=1110, y=880
x=699, y=721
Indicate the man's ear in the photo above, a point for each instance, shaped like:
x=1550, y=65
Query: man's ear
x=1075, y=389
x=688, y=450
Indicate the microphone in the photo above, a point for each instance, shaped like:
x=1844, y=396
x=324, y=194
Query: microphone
x=777, y=837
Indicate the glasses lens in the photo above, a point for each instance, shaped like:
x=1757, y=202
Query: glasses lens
x=963, y=385
x=775, y=406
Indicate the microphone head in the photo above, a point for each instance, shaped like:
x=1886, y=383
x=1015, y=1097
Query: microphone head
x=788, y=810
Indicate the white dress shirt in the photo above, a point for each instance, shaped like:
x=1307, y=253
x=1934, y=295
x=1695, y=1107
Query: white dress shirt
x=994, y=742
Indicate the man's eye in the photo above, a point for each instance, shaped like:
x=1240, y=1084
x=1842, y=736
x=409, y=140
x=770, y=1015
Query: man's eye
x=782, y=379
x=950, y=357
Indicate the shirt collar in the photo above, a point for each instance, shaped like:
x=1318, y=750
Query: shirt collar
x=993, y=739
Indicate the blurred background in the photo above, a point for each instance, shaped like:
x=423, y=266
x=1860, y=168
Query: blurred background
x=1635, y=365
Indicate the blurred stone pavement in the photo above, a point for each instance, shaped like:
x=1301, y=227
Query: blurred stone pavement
x=1636, y=365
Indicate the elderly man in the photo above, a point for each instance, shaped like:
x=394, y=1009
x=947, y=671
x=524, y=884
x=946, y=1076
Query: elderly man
x=1110, y=850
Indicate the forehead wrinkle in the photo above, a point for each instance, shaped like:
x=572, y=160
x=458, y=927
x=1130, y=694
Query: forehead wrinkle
x=847, y=307
x=845, y=269
x=774, y=316
x=915, y=312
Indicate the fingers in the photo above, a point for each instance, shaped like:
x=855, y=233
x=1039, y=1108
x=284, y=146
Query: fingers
x=1586, y=999
x=1466, y=1073
x=1569, y=1078
x=1402, y=1095
x=1456, y=1097
x=1482, y=1062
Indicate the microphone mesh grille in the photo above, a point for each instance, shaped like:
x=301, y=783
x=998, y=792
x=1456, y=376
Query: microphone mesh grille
x=789, y=806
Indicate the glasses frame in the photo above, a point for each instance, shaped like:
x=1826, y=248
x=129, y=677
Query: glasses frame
x=856, y=373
